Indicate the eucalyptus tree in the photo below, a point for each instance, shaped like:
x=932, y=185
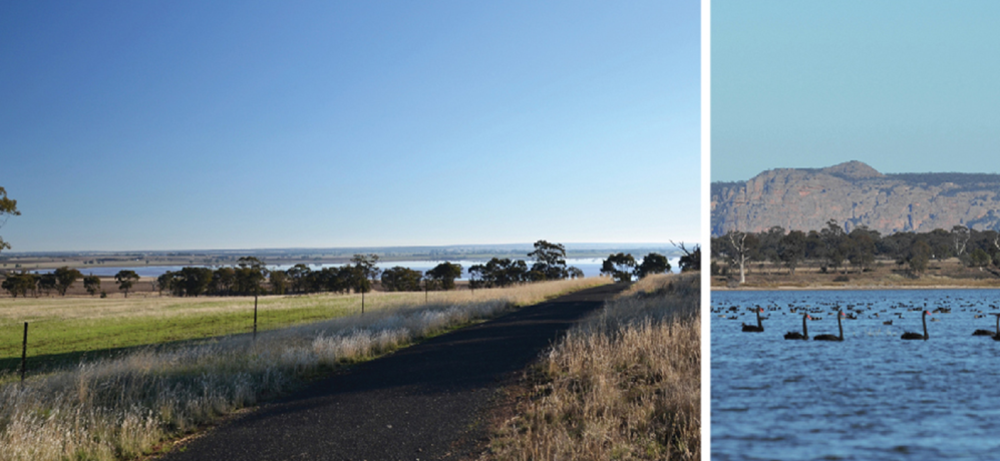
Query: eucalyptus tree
x=20, y=284
x=792, y=249
x=249, y=276
x=223, y=281
x=8, y=208
x=443, y=275
x=550, y=260
x=499, y=272
x=367, y=265
x=401, y=279
x=834, y=243
x=92, y=284
x=619, y=266
x=125, y=279
x=691, y=261
x=653, y=263
x=299, y=275
x=46, y=283
x=739, y=248
x=194, y=281
x=861, y=247
x=960, y=238
x=279, y=282
x=65, y=278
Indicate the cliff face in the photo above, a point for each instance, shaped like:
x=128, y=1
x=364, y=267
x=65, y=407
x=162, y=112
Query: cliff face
x=855, y=194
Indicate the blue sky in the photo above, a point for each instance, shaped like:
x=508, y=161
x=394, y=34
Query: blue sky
x=905, y=86
x=202, y=125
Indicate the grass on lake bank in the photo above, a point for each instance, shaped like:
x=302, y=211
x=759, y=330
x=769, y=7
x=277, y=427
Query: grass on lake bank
x=947, y=273
x=122, y=407
x=624, y=384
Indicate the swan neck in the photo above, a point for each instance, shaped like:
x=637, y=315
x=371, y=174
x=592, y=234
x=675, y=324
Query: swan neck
x=924, y=318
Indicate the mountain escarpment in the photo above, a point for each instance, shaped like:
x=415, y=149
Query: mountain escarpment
x=855, y=194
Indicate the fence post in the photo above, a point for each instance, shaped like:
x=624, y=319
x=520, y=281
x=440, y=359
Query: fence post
x=255, y=315
x=24, y=353
x=362, y=302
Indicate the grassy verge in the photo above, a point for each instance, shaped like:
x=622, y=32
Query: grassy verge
x=122, y=407
x=63, y=330
x=624, y=384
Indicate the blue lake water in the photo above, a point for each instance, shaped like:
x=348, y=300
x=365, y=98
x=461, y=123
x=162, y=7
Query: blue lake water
x=872, y=396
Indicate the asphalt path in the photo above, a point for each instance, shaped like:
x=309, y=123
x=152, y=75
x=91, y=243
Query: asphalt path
x=425, y=402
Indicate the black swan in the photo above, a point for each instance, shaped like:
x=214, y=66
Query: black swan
x=760, y=325
x=996, y=337
x=805, y=330
x=912, y=335
x=988, y=332
x=840, y=327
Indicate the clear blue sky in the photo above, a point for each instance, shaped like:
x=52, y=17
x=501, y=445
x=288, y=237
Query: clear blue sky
x=905, y=86
x=203, y=125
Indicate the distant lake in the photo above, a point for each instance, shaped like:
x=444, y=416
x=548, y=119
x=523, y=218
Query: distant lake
x=872, y=396
x=591, y=267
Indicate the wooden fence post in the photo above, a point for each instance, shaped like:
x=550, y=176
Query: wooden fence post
x=24, y=353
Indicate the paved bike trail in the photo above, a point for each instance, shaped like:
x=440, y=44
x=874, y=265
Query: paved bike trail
x=419, y=403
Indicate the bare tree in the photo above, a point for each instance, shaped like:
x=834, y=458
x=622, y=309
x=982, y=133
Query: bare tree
x=739, y=251
x=960, y=238
x=691, y=261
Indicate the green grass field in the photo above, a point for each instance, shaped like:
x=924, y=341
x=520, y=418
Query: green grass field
x=62, y=330
x=115, y=406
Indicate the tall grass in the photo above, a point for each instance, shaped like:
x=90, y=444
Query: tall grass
x=624, y=384
x=121, y=408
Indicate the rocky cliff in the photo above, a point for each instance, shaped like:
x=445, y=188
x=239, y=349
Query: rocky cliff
x=856, y=194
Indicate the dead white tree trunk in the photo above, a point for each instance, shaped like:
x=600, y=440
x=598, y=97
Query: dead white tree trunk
x=740, y=254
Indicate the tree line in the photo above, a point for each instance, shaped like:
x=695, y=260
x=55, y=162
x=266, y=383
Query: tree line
x=623, y=267
x=60, y=280
x=249, y=276
x=837, y=250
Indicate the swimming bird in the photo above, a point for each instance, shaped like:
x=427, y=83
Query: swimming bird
x=983, y=332
x=760, y=325
x=912, y=335
x=840, y=327
x=805, y=330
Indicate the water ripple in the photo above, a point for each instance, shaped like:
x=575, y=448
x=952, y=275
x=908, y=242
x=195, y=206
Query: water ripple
x=872, y=396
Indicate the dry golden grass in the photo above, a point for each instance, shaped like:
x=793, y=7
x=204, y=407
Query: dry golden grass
x=121, y=408
x=947, y=273
x=624, y=384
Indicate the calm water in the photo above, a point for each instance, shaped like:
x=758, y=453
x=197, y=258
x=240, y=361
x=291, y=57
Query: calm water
x=873, y=396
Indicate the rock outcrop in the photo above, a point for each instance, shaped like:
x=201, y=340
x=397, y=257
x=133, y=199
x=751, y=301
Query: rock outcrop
x=856, y=194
